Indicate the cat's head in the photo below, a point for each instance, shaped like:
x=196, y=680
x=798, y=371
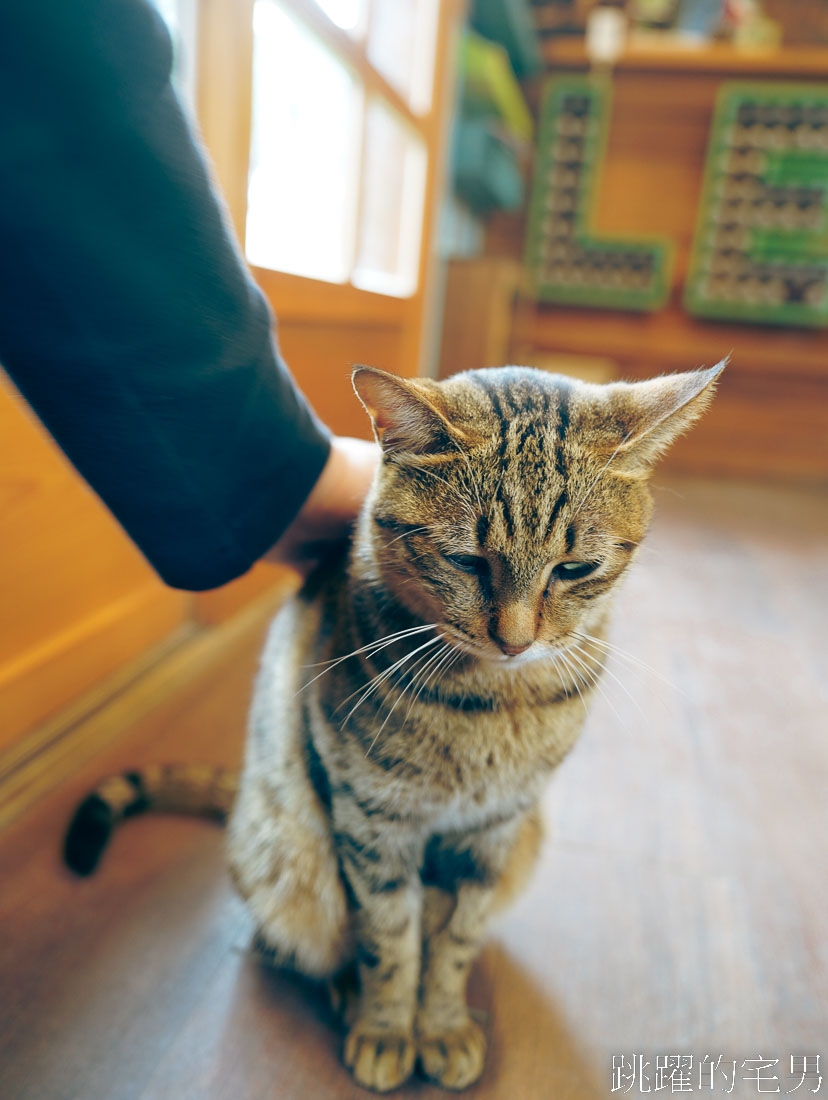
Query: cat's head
x=509, y=502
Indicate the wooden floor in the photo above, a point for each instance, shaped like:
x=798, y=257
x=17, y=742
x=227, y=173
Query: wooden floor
x=681, y=906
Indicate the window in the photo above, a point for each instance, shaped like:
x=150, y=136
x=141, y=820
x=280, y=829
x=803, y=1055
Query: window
x=341, y=91
x=347, y=14
x=390, y=217
x=304, y=158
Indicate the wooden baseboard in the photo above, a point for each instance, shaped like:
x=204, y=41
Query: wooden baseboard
x=44, y=679
x=53, y=751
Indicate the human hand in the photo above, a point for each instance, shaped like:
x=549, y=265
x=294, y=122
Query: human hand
x=328, y=513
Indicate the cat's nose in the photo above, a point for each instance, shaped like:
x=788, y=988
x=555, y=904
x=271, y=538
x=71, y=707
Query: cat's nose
x=511, y=649
x=513, y=627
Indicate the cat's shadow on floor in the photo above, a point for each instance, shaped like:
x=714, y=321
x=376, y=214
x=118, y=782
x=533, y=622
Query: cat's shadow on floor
x=532, y=1051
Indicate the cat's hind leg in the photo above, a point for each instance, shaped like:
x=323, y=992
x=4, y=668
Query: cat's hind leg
x=284, y=866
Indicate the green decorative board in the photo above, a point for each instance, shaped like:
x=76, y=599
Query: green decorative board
x=568, y=262
x=760, y=252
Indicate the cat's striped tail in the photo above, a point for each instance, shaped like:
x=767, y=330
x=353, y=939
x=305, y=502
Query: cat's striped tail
x=199, y=789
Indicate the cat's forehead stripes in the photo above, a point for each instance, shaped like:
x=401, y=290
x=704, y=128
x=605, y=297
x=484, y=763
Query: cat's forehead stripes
x=530, y=420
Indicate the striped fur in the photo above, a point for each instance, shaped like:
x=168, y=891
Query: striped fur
x=173, y=788
x=412, y=703
x=379, y=828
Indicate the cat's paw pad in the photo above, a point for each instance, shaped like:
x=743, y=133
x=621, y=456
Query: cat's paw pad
x=454, y=1058
x=379, y=1060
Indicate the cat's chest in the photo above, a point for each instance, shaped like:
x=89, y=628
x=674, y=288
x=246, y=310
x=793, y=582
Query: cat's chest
x=462, y=771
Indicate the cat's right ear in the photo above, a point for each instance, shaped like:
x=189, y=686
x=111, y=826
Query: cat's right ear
x=406, y=414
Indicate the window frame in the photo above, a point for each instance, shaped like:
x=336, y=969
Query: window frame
x=224, y=67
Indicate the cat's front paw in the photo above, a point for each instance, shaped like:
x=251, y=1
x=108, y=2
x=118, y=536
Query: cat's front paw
x=453, y=1058
x=379, y=1060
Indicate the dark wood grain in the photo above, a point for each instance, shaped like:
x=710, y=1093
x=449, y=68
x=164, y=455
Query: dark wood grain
x=680, y=906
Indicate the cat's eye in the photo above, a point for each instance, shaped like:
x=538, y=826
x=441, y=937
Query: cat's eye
x=574, y=570
x=468, y=563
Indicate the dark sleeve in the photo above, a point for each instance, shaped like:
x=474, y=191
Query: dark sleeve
x=127, y=319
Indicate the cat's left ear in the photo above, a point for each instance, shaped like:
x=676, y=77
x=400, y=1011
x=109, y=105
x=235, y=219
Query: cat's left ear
x=646, y=417
x=405, y=413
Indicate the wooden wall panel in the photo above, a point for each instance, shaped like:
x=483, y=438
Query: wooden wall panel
x=212, y=608
x=321, y=357
x=478, y=314
x=758, y=426
x=76, y=597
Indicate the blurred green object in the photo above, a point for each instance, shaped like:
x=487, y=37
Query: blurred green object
x=490, y=88
x=510, y=23
x=568, y=261
x=653, y=14
x=486, y=173
x=760, y=252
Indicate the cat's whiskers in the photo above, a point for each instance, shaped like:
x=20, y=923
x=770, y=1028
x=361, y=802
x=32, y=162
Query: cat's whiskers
x=644, y=549
x=464, y=643
x=418, y=557
x=388, y=715
x=373, y=682
x=591, y=680
x=418, y=681
x=577, y=649
x=386, y=638
x=445, y=657
x=474, y=484
x=457, y=655
x=559, y=656
x=631, y=658
x=443, y=663
x=380, y=678
x=439, y=530
x=598, y=477
x=370, y=647
x=452, y=489
x=413, y=531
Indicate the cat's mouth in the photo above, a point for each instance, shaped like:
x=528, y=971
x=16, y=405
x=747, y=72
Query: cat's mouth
x=466, y=644
x=490, y=653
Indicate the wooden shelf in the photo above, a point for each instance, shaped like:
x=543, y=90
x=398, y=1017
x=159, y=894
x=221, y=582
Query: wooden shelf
x=671, y=339
x=797, y=62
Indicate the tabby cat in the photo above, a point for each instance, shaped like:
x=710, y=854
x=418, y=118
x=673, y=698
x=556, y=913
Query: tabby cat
x=413, y=701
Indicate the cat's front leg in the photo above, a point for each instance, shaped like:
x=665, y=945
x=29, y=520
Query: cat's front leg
x=483, y=869
x=387, y=898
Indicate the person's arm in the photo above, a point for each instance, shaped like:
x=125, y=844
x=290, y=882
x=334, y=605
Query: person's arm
x=127, y=319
